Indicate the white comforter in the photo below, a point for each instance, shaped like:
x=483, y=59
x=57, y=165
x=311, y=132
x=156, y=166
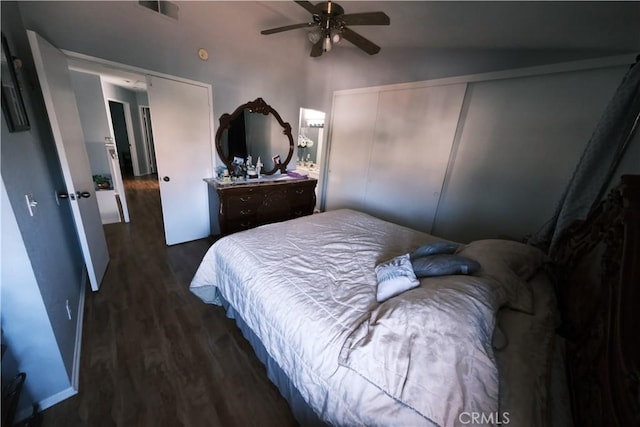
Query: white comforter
x=307, y=289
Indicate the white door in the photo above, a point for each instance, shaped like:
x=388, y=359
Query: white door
x=412, y=141
x=53, y=74
x=352, y=130
x=390, y=149
x=182, y=134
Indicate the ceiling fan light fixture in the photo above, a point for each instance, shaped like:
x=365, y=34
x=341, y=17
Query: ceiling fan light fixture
x=330, y=25
x=326, y=44
x=336, y=36
x=314, y=35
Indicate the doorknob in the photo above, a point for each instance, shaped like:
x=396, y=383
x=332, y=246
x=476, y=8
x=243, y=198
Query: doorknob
x=166, y=179
x=82, y=194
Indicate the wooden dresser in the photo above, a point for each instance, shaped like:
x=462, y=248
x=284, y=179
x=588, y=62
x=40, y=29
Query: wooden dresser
x=245, y=205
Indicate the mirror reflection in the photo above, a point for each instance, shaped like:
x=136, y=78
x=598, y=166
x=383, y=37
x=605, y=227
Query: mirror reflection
x=255, y=131
x=310, y=138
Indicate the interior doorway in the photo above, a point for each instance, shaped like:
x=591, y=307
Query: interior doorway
x=122, y=127
x=192, y=115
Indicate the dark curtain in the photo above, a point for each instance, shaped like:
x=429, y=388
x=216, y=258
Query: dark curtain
x=237, y=139
x=598, y=162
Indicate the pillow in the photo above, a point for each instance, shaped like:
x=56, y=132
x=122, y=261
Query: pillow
x=395, y=277
x=510, y=263
x=434, y=248
x=442, y=265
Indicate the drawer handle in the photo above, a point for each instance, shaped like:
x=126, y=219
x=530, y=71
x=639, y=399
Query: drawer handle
x=245, y=212
x=245, y=224
x=300, y=191
x=245, y=198
x=298, y=213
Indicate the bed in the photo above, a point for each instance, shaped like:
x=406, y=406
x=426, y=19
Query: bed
x=479, y=349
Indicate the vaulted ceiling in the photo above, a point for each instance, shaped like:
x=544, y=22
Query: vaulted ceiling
x=605, y=25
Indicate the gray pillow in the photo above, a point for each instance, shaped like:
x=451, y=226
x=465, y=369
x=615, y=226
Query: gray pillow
x=443, y=265
x=434, y=248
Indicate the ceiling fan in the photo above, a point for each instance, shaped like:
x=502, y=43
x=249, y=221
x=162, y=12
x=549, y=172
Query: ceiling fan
x=330, y=25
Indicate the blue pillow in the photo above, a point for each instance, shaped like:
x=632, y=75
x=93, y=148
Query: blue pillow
x=443, y=265
x=434, y=248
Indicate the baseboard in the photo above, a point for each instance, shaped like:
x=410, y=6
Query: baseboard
x=75, y=373
x=72, y=390
x=25, y=413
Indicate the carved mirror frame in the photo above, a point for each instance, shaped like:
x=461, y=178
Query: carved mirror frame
x=258, y=106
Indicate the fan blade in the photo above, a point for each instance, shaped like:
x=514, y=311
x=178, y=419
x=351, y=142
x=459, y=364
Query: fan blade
x=309, y=6
x=367, y=18
x=364, y=44
x=287, y=28
x=317, y=50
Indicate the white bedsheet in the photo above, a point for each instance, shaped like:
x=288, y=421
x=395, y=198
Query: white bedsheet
x=319, y=272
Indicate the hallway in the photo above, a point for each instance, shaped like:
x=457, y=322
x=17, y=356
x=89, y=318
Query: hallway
x=152, y=353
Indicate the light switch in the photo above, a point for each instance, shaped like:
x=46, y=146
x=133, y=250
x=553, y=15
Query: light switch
x=31, y=203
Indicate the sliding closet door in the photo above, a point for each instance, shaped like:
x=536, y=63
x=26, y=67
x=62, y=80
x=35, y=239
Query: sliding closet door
x=412, y=141
x=352, y=127
x=390, y=148
x=520, y=140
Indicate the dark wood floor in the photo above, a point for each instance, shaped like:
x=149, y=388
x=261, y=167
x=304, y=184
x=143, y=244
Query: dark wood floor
x=152, y=353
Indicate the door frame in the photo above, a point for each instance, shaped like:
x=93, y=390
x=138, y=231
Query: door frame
x=128, y=121
x=143, y=72
x=148, y=144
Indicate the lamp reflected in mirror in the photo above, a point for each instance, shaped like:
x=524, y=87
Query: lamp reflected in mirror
x=309, y=150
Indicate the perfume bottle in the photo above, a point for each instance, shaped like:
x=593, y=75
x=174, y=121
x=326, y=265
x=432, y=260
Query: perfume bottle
x=259, y=167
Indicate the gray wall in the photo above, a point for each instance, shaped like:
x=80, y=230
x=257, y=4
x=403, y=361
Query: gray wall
x=30, y=165
x=26, y=327
x=346, y=69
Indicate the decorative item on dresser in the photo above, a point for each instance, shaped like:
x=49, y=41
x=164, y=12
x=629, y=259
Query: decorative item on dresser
x=256, y=131
x=247, y=205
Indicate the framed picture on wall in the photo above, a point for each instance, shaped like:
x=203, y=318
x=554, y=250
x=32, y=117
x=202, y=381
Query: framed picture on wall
x=12, y=103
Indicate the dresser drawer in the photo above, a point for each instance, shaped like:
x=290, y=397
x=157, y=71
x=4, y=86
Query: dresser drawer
x=302, y=200
x=240, y=201
x=249, y=206
x=235, y=225
x=301, y=194
x=239, y=209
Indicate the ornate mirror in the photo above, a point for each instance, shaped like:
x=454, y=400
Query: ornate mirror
x=257, y=130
